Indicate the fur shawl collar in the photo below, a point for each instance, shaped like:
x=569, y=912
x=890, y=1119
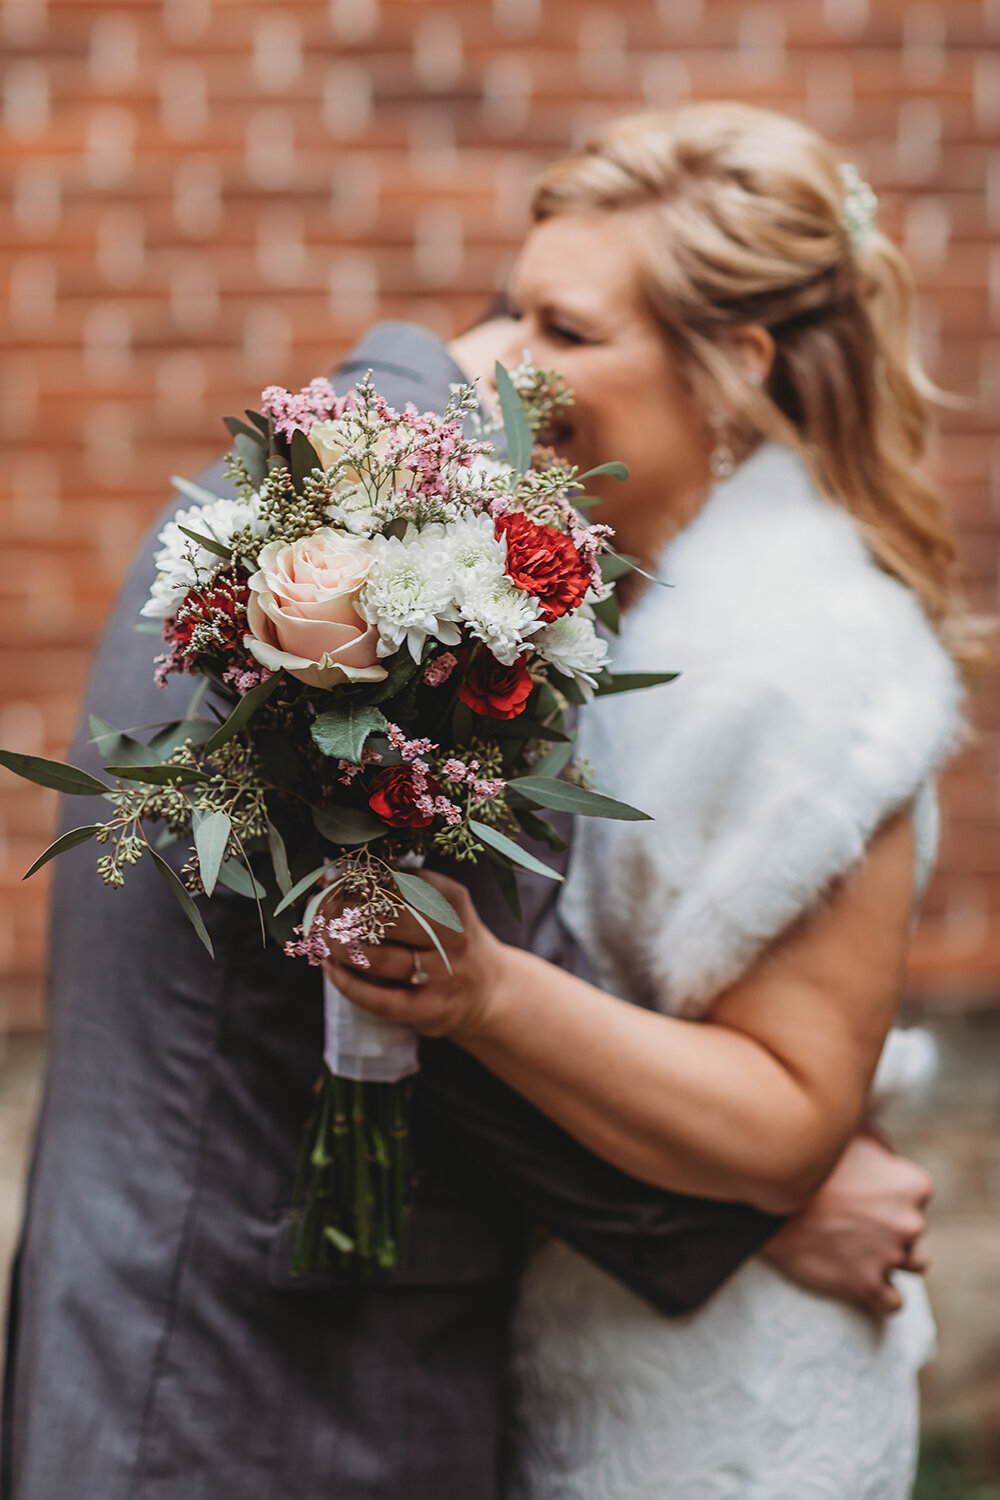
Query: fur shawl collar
x=814, y=701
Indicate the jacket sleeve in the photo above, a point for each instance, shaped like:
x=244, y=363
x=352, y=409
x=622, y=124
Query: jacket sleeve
x=673, y=1250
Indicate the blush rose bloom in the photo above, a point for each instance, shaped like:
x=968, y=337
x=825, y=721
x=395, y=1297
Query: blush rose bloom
x=302, y=614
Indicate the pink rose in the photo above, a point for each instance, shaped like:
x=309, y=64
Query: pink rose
x=302, y=614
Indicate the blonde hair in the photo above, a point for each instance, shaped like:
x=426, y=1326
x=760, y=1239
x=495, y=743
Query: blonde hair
x=749, y=212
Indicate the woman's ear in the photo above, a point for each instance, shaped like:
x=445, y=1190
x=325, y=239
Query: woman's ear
x=754, y=348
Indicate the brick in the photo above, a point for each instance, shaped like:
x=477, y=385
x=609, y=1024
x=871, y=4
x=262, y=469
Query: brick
x=208, y=196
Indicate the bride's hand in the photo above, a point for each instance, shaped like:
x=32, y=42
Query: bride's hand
x=407, y=979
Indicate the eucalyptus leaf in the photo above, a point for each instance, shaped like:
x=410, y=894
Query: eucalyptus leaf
x=537, y=828
x=568, y=686
x=304, y=457
x=160, y=775
x=183, y=895
x=172, y=735
x=236, y=426
x=401, y=670
x=312, y=907
x=341, y=733
x=615, y=469
x=299, y=888
x=69, y=780
x=630, y=682
x=279, y=859
x=423, y=922
x=507, y=882
x=347, y=825
x=523, y=728
x=67, y=841
x=147, y=627
x=554, y=760
x=563, y=796
x=236, y=877
x=211, y=835
x=503, y=845
x=209, y=543
x=613, y=566
x=607, y=611
x=428, y=899
x=254, y=458
x=117, y=746
x=259, y=421
x=515, y=423
x=193, y=491
x=244, y=710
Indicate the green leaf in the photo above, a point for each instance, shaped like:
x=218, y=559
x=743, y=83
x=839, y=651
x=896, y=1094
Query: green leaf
x=279, y=859
x=184, y=897
x=607, y=611
x=515, y=423
x=347, y=825
x=428, y=899
x=193, y=491
x=417, y=917
x=254, y=458
x=568, y=686
x=172, y=735
x=160, y=775
x=554, y=760
x=342, y=732
x=211, y=835
x=235, y=875
x=401, y=668
x=69, y=780
x=339, y=1240
x=507, y=881
x=236, y=426
x=208, y=542
x=615, y=469
x=630, y=682
x=299, y=888
x=304, y=457
x=115, y=745
x=503, y=845
x=537, y=828
x=312, y=907
x=522, y=728
x=244, y=710
x=147, y=627
x=563, y=796
x=259, y=421
x=633, y=566
x=67, y=841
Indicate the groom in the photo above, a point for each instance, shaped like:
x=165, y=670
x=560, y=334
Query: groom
x=159, y=1348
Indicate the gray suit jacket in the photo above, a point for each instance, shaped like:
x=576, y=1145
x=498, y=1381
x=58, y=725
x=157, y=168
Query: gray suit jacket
x=159, y=1349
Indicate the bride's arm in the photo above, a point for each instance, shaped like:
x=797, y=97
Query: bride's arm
x=755, y=1105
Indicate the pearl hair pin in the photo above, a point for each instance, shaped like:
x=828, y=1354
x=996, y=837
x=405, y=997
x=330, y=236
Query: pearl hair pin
x=860, y=203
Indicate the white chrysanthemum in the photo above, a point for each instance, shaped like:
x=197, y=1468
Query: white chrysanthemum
x=182, y=563
x=573, y=647
x=476, y=554
x=501, y=616
x=408, y=594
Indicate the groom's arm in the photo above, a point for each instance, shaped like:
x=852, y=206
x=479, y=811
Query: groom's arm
x=671, y=1249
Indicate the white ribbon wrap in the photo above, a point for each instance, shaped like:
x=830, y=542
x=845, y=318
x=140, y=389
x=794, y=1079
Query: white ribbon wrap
x=366, y=1048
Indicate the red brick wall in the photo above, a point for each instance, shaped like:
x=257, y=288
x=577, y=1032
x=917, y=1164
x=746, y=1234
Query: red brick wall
x=201, y=197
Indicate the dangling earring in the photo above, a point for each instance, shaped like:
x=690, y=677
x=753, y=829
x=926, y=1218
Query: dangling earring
x=722, y=459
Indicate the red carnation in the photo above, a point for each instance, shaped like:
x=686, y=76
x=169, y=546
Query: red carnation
x=402, y=795
x=543, y=561
x=491, y=688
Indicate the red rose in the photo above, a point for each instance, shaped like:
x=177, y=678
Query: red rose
x=543, y=561
x=399, y=791
x=491, y=688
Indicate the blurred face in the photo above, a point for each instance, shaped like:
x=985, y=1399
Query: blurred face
x=579, y=309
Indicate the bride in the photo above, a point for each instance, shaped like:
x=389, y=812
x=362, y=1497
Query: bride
x=735, y=327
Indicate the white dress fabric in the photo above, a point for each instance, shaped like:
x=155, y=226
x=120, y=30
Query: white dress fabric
x=814, y=701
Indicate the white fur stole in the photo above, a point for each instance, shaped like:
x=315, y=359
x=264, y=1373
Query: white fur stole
x=814, y=701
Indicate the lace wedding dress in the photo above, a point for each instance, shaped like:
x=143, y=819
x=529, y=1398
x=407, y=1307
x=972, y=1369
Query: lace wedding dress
x=814, y=701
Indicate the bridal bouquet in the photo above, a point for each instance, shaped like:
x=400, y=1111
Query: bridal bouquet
x=389, y=624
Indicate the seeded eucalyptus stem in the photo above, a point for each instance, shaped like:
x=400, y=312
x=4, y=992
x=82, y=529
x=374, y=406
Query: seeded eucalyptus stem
x=351, y=1198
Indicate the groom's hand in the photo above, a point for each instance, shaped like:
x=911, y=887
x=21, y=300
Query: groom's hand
x=866, y=1222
